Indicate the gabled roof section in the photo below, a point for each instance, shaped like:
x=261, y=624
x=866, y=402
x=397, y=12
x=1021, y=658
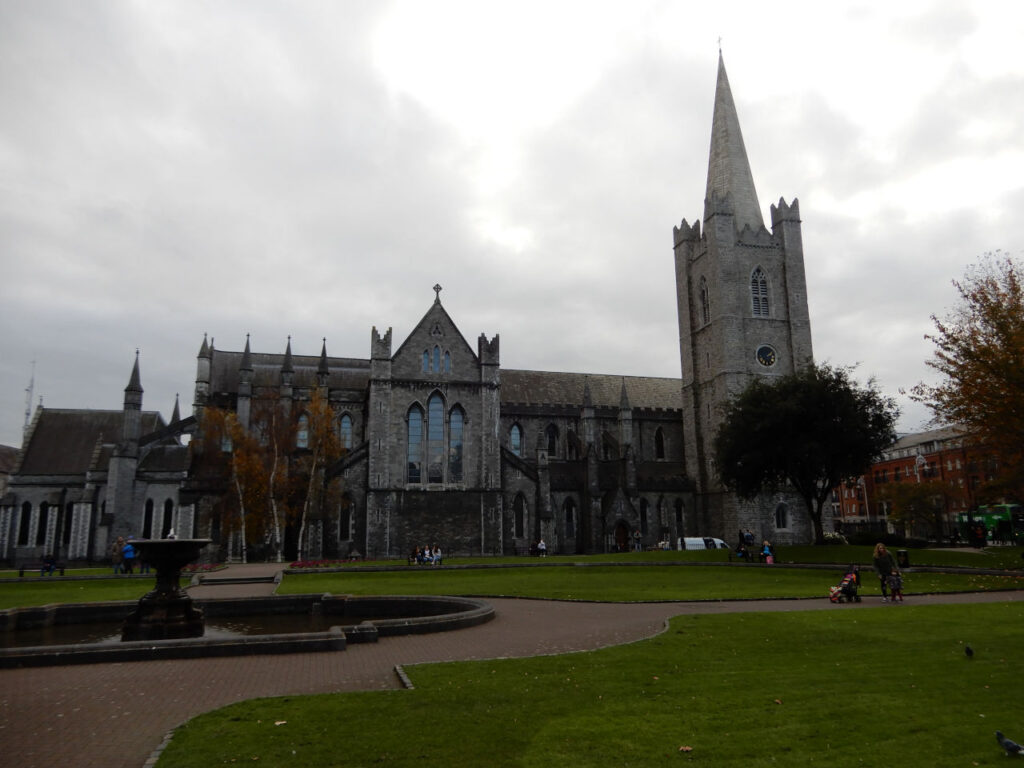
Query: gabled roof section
x=436, y=320
x=729, y=173
x=64, y=441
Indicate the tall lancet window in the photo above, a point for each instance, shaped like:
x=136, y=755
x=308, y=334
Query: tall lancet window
x=705, y=302
x=455, y=422
x=345, y=432
x=759, y=293
x=435, y=439
x=414, y=435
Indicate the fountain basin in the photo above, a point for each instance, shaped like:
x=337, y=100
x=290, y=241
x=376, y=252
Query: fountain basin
x=167, y=612
x=381, y=616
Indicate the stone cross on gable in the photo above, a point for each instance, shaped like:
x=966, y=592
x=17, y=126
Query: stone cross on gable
x=437, y=292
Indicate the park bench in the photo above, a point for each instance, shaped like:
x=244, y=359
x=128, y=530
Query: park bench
x=43, y=568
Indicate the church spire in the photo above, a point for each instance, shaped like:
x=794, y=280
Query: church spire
x=135, y=381
x=246, y=364
x=728, y=168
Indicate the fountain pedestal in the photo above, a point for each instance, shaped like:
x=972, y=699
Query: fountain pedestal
x=166, y=612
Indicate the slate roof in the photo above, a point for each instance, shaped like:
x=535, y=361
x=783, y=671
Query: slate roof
x=8, y=455
x=549, y=388
x=939, y=435
x=63, y=441
x=166, y=458
x=345, y=372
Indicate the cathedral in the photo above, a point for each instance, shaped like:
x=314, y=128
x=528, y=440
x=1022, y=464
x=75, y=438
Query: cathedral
x=443, y=446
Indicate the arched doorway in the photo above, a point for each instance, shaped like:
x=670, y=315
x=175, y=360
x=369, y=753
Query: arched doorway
x=621, y=537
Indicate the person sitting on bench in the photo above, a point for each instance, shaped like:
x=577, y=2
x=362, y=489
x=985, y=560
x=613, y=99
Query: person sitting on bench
x=49, y=566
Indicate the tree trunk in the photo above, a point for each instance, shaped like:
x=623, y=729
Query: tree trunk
x=273, y=508
x=814, y=512
x=241, y=516
x=305, y=504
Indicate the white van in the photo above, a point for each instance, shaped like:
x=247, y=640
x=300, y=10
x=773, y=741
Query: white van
x=706, y=542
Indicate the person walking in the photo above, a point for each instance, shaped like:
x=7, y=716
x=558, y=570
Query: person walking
x=128, y=555
x=884, y=566
x=116, y=555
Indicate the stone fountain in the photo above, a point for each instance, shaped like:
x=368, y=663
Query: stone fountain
x=167, y=612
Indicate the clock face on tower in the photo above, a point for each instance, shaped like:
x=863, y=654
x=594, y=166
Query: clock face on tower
x=766, y=355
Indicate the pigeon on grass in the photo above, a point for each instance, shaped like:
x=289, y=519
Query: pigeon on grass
x=968, y=652
x=1012, y=747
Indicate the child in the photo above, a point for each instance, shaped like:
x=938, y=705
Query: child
x=896, y=586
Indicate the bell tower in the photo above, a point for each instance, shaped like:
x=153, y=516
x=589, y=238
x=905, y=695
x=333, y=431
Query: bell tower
x=742, y=302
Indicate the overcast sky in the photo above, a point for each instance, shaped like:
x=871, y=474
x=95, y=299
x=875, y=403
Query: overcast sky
x=313, y=169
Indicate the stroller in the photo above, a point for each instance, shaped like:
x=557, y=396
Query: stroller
x=846, y=590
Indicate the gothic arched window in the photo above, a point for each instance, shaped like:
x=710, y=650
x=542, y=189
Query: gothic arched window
x=414, y=440
x=570, y=518
x=515, y=440
x=705, y=302
x=437, y=360
x=447, y=362
x=455, y=425
x=302, y=432
x=759, y=293
x=552, y=435
x=44, y=521
x=25, y=523
x=659, y=444
x=168, y=521
x=781, y=517
x=426, y=361
x=519, y=517
x=435, y=439
x=147, y=521
x=345, y=432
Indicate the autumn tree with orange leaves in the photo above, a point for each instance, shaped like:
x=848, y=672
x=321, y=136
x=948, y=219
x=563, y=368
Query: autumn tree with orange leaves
x=979, y=351
x=238, y=455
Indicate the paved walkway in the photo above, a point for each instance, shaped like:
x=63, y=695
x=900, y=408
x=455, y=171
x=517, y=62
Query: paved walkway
x=111, y=715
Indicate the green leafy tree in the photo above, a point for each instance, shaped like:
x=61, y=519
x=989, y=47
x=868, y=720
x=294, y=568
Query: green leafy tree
x=810, y=430
x=979, y=352
x=918, y=503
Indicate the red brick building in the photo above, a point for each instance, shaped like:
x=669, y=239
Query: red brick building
x=936, y=456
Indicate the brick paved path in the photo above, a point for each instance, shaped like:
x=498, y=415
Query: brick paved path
x=111, y=715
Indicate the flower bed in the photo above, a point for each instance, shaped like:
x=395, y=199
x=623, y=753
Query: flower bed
x=203, y=567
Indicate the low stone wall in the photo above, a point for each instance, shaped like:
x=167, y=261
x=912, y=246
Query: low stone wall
x=398, y=616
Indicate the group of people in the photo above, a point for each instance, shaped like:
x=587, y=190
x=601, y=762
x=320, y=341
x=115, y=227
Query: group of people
x=123, y=557
x=426, y=555
x=745, y=548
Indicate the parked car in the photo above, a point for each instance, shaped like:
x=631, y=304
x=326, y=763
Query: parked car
x=705, y=542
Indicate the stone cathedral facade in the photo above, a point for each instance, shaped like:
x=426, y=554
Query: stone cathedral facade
x=444, y=446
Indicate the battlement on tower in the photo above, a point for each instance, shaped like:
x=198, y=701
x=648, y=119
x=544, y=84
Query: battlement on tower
x=487, y=351
x=380, y=346
x=783, y=212
x=684, y=232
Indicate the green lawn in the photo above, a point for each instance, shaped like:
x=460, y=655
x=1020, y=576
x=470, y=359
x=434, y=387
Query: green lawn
x=878, y=686
x=57, y=590
x=614, y=583
x=1006, y=558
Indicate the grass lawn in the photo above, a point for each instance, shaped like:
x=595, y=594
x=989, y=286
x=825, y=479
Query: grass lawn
x=1007, y=558
x=877, y=686
x=57, y=590
x=67, y=572
x=613, y=583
